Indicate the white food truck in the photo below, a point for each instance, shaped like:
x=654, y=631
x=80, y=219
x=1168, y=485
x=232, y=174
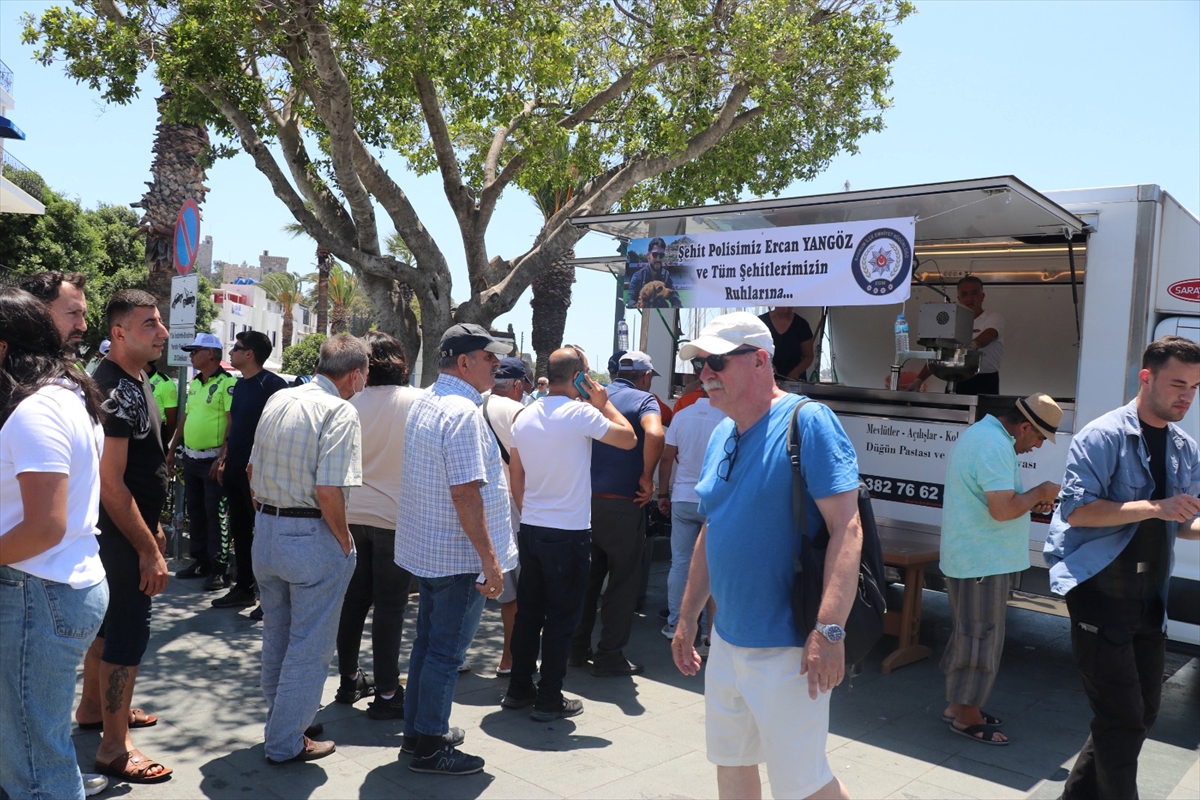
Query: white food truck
x=1084, y=279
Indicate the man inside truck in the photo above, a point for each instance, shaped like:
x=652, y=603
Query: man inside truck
x=988, y=333
x=1130, y=489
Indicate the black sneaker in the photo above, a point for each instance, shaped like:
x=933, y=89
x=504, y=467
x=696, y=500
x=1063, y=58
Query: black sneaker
x=387, y=707
x=664, y=614
x=196, y=570
x=579, y=659
x=448, y=761
x=617, y=669
x=354, y=689
x=518, y=700
x=216, y=581
x=237, y=598
x=257, y=614
x=567, y=707
x=453, y=738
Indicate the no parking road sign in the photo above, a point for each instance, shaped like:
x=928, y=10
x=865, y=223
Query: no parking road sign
x=187, y=236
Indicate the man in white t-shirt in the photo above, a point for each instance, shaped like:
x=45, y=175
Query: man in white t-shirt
x=551, y=484
x=687, y=441
x=988, y=333
x=500, y=408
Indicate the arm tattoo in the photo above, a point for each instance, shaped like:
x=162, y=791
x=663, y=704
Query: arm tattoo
x=115, y=693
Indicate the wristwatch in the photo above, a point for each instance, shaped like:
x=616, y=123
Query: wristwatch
x=834, y=633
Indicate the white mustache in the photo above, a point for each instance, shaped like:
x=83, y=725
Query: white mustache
x=713, y=383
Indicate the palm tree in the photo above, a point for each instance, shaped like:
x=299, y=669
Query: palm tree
x=552, y=289
x=284, y=288
x=342, y=290
x=325, y=262
x=178, y=174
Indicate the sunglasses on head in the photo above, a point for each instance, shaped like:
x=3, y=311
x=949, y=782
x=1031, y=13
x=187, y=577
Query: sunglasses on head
x=717, y=363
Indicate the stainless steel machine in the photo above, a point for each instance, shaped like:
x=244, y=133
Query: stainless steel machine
x=945, y=329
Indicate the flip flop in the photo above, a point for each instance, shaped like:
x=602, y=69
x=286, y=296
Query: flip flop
x=140, y=720
x=133, y=768
x=500, y=671
x=989, y=734
x=988, y=719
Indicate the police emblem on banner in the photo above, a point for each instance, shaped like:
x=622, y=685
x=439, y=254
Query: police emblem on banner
x=882, y=262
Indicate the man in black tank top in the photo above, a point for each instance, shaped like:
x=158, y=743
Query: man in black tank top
x=1130, y=489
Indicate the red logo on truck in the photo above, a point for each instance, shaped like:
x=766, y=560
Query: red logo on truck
x=1186, y=290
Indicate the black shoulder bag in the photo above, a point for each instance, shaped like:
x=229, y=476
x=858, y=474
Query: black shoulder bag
x=864, y=626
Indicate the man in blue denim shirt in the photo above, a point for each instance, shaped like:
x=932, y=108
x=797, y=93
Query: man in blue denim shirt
x=1130, y=488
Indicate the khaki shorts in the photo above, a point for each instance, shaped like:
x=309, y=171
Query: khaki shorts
x=757, y=709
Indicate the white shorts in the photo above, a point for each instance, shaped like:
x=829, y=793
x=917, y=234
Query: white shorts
x=509, y=592
x=757, y=709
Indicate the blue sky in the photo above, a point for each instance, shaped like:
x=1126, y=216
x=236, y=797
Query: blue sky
x=1061, y=94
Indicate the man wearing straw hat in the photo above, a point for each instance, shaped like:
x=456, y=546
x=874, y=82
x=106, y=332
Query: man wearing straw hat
x=985, y=540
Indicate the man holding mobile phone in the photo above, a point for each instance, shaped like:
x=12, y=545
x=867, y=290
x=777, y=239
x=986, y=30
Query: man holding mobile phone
x=622, y=484
x=551, y=475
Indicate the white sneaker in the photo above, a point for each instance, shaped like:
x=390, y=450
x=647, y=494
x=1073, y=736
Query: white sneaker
x=702, y=647
x=668, y=631
x=93, y=784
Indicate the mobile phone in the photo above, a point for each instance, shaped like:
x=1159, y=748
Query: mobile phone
x=580, y=384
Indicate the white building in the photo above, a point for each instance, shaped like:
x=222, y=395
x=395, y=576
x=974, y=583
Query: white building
x=245, y=307
x=13, y=199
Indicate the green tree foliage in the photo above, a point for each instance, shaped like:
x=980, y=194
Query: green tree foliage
x=666, y=103
x=102, y=243
x=301, y=359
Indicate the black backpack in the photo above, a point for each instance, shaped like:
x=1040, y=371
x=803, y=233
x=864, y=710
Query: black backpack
x=864, y=626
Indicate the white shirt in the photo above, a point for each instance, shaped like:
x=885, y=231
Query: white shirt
x=989, y=356
x=383, y=412
x=52, y=432
x=554, y=438
x=690, y=431
x=500, y=413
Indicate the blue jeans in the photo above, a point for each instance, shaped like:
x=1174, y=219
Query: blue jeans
x=686, y=521
x=446, y=624
x=302, y=575
x=46, y=628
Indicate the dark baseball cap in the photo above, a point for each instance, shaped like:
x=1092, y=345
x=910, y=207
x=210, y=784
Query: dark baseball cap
x=513, y=368
x=467, y=338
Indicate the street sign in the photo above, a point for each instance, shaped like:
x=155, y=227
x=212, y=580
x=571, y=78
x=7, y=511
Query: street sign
x=185, y=294
x=181, y=337
x=187, y=236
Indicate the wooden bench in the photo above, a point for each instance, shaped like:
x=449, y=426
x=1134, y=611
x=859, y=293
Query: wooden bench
x=905, y=623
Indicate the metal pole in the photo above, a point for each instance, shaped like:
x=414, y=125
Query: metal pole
x=177, y=486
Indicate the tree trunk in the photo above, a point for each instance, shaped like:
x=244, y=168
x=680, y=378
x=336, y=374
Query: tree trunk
x=337, y=319
x=324, y=266
x=391, y=312
x=288, y=324
x=177, y=176
x=551, y=300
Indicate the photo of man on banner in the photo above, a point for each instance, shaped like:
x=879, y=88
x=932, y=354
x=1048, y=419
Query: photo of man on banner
x=651, y=284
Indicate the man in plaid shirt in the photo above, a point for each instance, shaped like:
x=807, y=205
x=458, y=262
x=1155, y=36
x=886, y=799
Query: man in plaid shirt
x=454, y=533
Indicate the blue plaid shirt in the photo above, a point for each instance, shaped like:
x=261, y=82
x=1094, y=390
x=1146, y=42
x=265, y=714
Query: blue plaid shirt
x=447, y=443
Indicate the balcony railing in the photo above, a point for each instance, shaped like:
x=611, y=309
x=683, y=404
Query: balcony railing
x=6, y=77
x=22, y=175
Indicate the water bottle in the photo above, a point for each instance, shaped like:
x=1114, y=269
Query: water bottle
x=622, y=335
x=901, y=335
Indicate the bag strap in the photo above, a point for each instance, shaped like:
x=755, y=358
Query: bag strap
x=488, y=420
x=799, y=518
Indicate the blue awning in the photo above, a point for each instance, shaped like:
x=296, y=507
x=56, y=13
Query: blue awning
x=10, y=131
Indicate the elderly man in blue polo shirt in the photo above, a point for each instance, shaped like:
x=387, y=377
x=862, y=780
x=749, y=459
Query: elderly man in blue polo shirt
x=1130, y=489
x=454, y=533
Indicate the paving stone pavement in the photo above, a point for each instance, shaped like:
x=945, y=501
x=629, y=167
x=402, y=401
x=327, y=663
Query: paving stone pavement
x=639, y=737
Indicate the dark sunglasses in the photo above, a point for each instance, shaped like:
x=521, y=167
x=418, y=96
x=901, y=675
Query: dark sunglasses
x=237, y=347
x=726, y=465
x=717, y=363
x=659, y=253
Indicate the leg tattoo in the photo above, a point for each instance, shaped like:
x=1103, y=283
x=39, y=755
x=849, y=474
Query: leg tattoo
x=114, y=695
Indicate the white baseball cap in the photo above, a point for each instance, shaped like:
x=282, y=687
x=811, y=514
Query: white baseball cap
x=727, y=333
x=203, y=341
